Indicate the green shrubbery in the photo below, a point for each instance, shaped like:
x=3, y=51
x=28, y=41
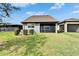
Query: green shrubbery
x=25, y=32
x=31, y=31
x=60, y=31
x=17, y=32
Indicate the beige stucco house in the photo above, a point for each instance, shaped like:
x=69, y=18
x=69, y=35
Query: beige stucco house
x=70, y=25
x=41, y=23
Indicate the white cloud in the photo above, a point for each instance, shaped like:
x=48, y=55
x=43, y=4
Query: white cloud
x=57, y=6
x=22, y=4
x=36, y=13
x=75, y=11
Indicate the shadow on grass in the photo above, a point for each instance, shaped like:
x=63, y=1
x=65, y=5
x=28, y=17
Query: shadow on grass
x=72, y=35
x=32, y=45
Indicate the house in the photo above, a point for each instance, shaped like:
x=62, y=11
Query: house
x=46, y=23
x=41, y=23
x=4, y=27
x=70, y=25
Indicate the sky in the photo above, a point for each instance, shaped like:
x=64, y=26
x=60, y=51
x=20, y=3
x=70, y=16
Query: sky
x=60, y=11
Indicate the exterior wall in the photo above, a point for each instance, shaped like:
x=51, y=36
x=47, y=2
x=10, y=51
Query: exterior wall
x=66, y=25
x=72, y=22
x=56, y=27
x=25, y=26
x=36, y=26
x=2, y=29
x=61, y=24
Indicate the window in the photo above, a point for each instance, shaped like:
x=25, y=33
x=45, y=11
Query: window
x=30, y=26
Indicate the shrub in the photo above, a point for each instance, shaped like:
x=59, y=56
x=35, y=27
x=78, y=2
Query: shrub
x=60, y=31
x=17, y=32
x=25, y=32
x=31, y=31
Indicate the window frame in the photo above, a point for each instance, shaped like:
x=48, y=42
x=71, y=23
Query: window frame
x=30, y=26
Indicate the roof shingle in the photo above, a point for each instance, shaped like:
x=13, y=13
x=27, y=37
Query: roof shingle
x=72, y=19
x=40, y=18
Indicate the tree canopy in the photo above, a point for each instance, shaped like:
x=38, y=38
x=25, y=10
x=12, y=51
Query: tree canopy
x=6, y=10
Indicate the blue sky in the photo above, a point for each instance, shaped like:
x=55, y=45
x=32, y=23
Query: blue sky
x=60, y=11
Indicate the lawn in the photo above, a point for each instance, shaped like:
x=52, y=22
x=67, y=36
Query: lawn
x=42, y=44
x=4, y=36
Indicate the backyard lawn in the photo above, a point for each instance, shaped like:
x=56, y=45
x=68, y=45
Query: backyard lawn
x=42, y=44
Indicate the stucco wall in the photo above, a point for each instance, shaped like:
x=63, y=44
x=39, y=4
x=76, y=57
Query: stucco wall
x=36, y=26
x=66, y=23
x=72, y=22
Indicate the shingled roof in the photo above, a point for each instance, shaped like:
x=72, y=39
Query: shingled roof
x=40, y=18
x=72, y=19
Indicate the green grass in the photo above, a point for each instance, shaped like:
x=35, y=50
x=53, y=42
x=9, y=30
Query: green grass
x=4, y=36
x=66, y=44
x=22, y=45
x=43, y=44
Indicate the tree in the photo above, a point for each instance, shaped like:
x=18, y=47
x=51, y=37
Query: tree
x=6, y=9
